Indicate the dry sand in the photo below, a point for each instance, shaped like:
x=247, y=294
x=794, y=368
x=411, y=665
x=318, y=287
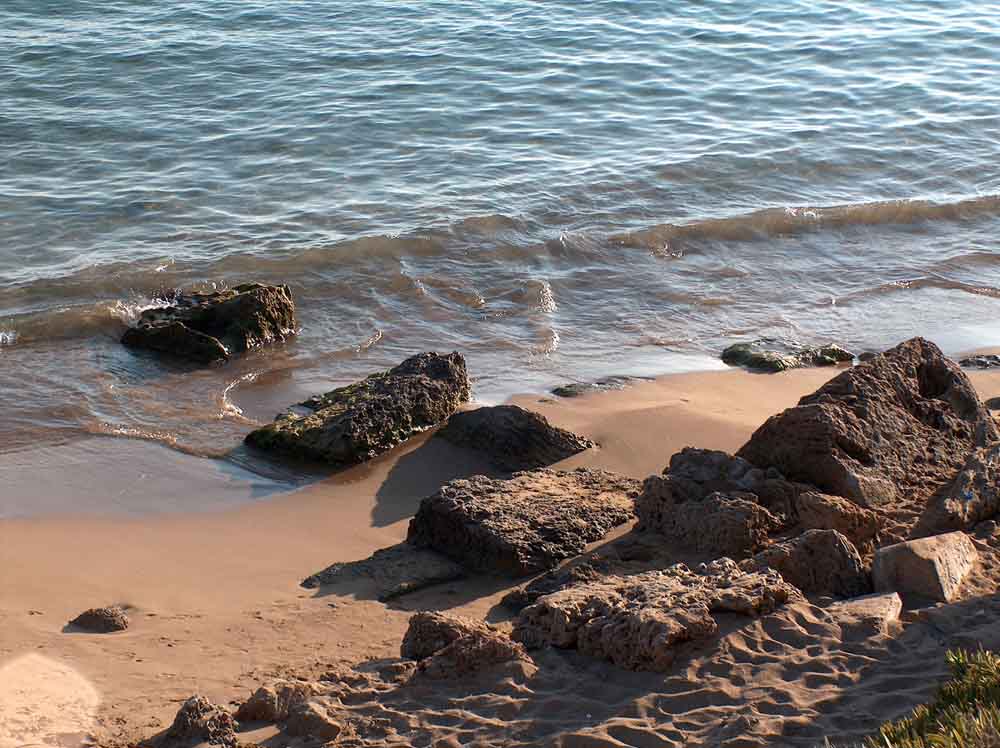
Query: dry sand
x=216, y=608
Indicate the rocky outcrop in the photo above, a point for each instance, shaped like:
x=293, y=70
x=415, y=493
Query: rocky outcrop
x=512, y=438
x=768, y=355
x=101, y=620
x=523, y=525
x=449, y=646
x=394, y=571
x=900, y=425
x=637, y=622
x=821, y=562
x=353, y=424
x=931, y=568
x=974, y=496
x=199, y=720
x=206, y=327
x=274, y=702
x=719, y=524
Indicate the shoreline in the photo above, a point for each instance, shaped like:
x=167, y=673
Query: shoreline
x=215, y=596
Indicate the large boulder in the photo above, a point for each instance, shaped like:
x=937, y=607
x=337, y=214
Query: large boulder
x=900, y=425
x=719, y=524
x=931, y=568
x=821, y=562
x=353, y=424
x=975, y=493
x=448, y=646
x=207, y=327
x=637, y=622
x=523, y=525
x=101, y=620
x=199, y=720
x=512, y=438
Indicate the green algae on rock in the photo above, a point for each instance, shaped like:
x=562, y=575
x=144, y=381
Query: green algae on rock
x=352, y=424
x=767, y=355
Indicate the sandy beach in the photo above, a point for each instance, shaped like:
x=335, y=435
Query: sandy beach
x=217, y=608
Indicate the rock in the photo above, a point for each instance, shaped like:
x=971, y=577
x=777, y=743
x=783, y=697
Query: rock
x=450, y=646
x=719, y=524
x=553, y=581
x=993, y=403
x=899, y=425
x=313, y=719
x=101, y=620
x=199, y=720
x=821, y=562
x=975, y=494
x=207, y=327
x=637, y=622
x=820, y=511
x=754, y=356
x=576, y=389
x=980, y=362
x=932, y=568
x=395, y=571
x=827, y=355
x=866, y=616
x=523, y=525
x=353, y=424
x=274, y=702
x=512, y=438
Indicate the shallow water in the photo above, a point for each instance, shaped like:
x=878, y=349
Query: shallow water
x=558, y=190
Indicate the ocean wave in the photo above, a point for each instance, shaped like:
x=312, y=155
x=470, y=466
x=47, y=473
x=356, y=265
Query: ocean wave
x=669, y=239
x=919, y=284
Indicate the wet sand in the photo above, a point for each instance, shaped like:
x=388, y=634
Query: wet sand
x=215, y=603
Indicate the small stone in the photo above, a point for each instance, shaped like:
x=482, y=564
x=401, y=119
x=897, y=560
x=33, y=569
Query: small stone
x=102, y=620
x=866, y=616
x=200, y=720
x=313, y=719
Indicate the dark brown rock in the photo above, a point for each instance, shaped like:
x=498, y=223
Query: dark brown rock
x=899, y=425
x=448, y=646
x=637, y=622
x=719, y=524
x=821, y=562
x=207, y=327
x=353, y=424
x=199, y=720
x=512, y=438
x=523, y=525
x=101, y=620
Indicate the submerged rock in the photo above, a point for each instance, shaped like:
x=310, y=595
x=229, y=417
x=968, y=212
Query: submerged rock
x=604, y=384
x=512, y=438
x=199, y=720
x=102, y=620
x=821, y=562
x=448, y=646
x=637, y=622
x=206, y=327
x=766, y=355
x=526, y=524
x=353, y=424
x=395, y=571
x=932, y=568
x=900, y=425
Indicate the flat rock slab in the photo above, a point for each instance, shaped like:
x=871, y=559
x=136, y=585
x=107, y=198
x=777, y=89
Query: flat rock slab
x=512, y=438
x=931, y=568
x=526, y=524
x=820, y=562
x=869, y=615
x=604, y=384
x=638, y=621
x=352, y=424
x=394, y=571
x=206, y=327
x=893, y=429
